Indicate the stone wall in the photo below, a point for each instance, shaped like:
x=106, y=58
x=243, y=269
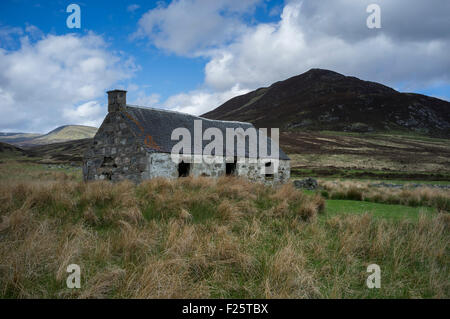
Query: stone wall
x=161, y=165
x=114, y=154
x=260, y=173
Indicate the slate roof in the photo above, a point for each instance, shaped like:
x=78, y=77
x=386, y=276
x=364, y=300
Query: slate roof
x=153, y=127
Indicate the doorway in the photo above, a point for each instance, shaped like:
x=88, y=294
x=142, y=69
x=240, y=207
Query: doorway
x=230, y=168
x=184, y=169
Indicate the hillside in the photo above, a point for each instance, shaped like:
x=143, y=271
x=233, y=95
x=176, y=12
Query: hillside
x=12, y=138
x=64, y=152
x=70, y=152
x=369, y=155
x=8, y=150
x=58, y=135
x=326, y=100
x=64, y=134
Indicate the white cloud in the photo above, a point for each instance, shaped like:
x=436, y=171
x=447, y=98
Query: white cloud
x=146, y=100
x=198, y=102
x=34, y=32
x=186, y=26
x=8, y=35
x=56, y=80
x=133, y=7
x=90, y=113
x=401, y=19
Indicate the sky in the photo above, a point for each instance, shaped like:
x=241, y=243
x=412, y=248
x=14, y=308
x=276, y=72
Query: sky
x=194, y=55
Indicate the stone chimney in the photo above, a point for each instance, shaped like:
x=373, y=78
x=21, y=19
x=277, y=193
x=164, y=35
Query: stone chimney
x=117, y=100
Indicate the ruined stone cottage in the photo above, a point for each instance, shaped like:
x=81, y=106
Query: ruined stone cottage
x=136, y=143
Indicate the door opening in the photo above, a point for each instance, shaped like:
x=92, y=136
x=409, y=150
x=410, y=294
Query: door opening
x=184, y=169
x=230, y=168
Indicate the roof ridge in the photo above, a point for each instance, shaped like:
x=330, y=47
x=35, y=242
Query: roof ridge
x=182, y=113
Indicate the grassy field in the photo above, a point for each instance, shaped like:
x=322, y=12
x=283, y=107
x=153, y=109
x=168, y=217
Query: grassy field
x=396, y=212
x=224, y=238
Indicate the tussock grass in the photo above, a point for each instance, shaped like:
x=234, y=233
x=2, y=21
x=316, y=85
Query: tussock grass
x=420, y=196
x=200, y=237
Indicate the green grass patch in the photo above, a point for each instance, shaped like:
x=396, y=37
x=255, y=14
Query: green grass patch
x=397, y=212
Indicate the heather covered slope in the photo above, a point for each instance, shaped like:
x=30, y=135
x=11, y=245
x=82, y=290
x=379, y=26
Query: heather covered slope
x=64, y=152
x=326, y=100
x=368, y=155
x=14, y=138
x=7, y=150
x=70, y=152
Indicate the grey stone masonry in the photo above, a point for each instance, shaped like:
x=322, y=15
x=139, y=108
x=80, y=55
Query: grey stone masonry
x=117, y=100
x=114, y=154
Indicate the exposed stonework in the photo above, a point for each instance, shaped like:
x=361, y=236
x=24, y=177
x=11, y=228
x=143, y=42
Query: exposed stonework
x=123, y=148
x=161, y=165
x=115, y=153
x=117, y=100
x=308, y=183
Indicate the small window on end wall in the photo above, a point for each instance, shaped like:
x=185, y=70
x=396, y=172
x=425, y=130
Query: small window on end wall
x=269, y=170
x=184, y=169
x=108, y=162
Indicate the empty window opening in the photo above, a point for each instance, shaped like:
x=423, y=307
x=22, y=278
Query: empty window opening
x=269, y=170
x=108, y=162
x=230, y=168
x=183, y=169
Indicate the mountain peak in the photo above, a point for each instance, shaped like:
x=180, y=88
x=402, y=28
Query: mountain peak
x=318, y=71
x=322, y=99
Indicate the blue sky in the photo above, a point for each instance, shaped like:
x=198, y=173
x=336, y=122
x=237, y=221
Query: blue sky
x=165, y=73
x=193, y=55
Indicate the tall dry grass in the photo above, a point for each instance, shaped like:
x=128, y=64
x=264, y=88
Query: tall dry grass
x=357, y=190
x=197, y=238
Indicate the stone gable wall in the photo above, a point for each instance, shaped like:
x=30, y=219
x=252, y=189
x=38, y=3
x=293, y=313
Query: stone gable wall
x=114, y=154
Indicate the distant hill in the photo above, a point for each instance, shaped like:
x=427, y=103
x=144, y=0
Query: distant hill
x=55, y=153
x=58, y=135
x=64, y=152
x=326, y=100
x=17, y=137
